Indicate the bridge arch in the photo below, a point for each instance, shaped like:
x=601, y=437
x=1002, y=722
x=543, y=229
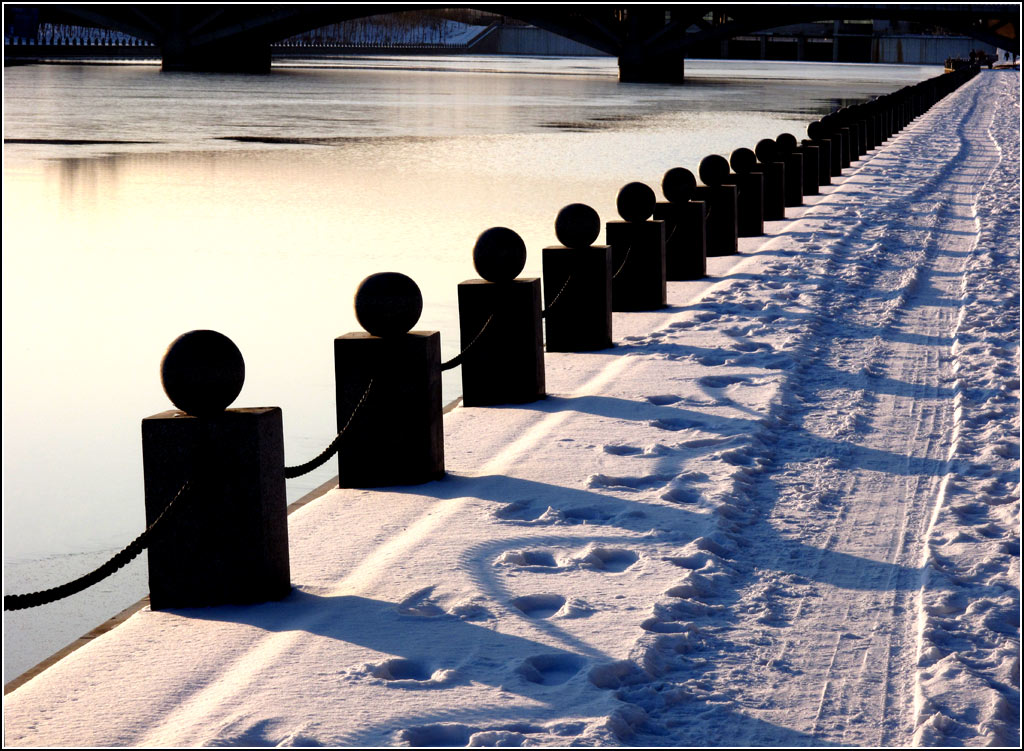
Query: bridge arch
x=650, y=42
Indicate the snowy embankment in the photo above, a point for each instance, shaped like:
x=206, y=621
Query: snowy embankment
x=784, y=511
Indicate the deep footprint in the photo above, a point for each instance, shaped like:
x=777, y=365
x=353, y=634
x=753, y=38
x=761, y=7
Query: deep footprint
x=610, y=559
x=550, y=670
x=539, y=606
x=399, y=669
x=720, y=382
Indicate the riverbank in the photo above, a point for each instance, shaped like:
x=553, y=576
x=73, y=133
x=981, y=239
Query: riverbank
x=781, y=511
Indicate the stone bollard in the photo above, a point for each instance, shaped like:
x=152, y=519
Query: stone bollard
x=723, y=232
x=810, y=156
x=638, y=252
x=816, y=136
x=834, y=123
x=226, y=540
x=867, y=129
x=577, y=284
x=835, y=134
x=686, y=246
x=749, y=193
x=394, y=434
x=856, y=139
x=794, y=193
x=505, y=363
x=774, y=171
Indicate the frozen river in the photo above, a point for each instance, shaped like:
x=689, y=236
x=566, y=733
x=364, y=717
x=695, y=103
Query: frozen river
x=140, y=205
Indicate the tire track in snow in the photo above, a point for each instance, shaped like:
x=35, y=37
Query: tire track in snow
x=858, y=652
x=968, y=690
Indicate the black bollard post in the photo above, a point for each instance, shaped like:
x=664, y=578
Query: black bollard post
x=816, y=137
x=794, y=169
x=839, y=143
x=774, y=171
x=867, y=129
x=388, y=389
x=810, y=154
x=749, y=193
x=638, y=252
x=504, y=364
x=852, y=136
x=685, y=227
x=577, y=284
x=723, y=232
x=226, y=539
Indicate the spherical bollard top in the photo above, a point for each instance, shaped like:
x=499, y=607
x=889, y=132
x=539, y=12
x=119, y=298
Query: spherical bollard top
x=635, y=202
x=767, y=150
x=786, y=143
x=742, y=161
x=577, y=225
x=714, y=170
x=678, y=185
x=499, y=254
x=202, y=372
x=815, y=130
x=388, y=303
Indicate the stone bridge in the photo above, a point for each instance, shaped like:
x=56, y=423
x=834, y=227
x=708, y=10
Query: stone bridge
x=650, y=41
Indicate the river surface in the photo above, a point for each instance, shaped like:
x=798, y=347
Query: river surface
x=139, y=205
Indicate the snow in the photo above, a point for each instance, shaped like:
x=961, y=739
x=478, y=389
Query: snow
x=783, y=511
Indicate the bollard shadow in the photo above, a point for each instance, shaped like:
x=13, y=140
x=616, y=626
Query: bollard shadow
x=542, y=505
x=422, y=643
x=770, y=362
x=674, y=419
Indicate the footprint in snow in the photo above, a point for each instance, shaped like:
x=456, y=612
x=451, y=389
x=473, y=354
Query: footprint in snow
x=440, y=735
x=625, y=483
x=663, y=399
x=621, y=450
x=676, y=423
x=533, y=559
x=404, y=673
x=522, y=511
x=721, y=381
x=539, y=606
x=614, y=560
x=711, y=361
x=552, y=669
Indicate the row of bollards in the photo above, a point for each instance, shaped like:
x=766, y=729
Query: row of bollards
x=230, y=545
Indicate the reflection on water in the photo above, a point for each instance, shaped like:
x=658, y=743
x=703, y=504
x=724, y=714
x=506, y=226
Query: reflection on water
x=254, y=205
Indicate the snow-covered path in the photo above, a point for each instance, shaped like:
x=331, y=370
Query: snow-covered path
x=784, y=511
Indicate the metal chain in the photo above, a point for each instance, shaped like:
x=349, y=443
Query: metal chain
x=332, y=449
x=457, y=360
x=623, y=264
x=552, y=304
x=46, y=596
x=675, y=228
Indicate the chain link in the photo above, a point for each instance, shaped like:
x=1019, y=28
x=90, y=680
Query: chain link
x=136, y=546
x=623, y=264
x=332, y=449
x=554, y=302
x=457, y=360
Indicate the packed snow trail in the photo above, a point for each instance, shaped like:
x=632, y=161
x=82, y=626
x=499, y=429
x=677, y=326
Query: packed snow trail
x=823, y=554
x=782, y=512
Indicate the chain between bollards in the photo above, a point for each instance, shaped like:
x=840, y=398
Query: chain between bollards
x=543, y=313
x=624, y=260
x=457, y=360
x=332, y=449
x=125, y=556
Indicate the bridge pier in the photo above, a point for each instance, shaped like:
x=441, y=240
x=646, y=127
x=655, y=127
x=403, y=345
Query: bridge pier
x=227, y=56
x=636, y=66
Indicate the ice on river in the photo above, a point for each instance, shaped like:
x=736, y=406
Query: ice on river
x=782, y=512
